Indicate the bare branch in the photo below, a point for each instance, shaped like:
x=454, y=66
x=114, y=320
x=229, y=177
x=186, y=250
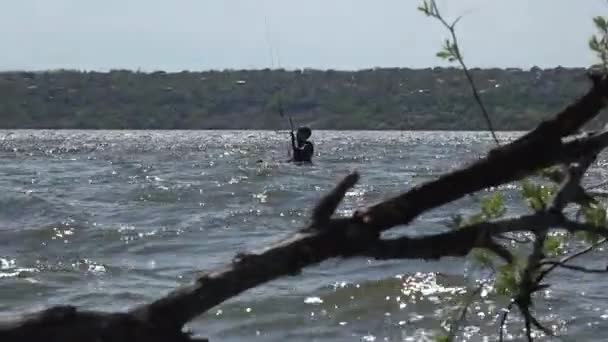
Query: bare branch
x=576, y=268
x=463, y=312
x=329, y=203
x=528, y=283
x=544, y=329
x=562, y=262
x=503, y=321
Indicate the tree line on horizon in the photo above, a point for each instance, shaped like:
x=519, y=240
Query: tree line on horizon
x=380, y=98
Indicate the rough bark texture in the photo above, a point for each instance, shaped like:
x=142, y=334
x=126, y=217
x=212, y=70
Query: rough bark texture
x=326, y=237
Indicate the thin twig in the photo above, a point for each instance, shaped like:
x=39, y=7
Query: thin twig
x=503, y=321
x=528, y=283
x=452, y=29
x=544, y=329
x=527, y=322
x=562, y=262
x=463, y=313
x=577, y=268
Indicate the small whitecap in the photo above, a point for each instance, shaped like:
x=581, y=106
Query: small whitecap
x=97, y=269
x=313, y=300
x=6, y=263
x=416, y=318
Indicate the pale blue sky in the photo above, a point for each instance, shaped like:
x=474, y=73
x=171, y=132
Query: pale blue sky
x=178, y=35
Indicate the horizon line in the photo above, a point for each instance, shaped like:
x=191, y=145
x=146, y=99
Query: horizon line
x=283, y=69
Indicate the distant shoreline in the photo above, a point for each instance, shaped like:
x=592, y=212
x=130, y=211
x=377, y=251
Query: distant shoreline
x=380, y=99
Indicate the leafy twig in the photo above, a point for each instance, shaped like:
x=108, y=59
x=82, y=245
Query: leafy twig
x=451, y=52
x=600, y=45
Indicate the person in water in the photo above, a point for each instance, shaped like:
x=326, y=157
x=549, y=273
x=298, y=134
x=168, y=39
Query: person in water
x=302, y=148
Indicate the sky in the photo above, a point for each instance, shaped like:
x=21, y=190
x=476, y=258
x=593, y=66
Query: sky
x=176, y=35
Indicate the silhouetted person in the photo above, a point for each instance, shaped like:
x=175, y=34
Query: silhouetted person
x=302, y=148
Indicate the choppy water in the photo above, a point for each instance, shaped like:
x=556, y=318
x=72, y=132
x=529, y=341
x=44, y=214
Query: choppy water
x=112, y=219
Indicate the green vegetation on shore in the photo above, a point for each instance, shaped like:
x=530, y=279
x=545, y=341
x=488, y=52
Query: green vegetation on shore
x=382, y=98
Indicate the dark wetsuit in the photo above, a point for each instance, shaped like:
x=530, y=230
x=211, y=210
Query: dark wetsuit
x=302, y=153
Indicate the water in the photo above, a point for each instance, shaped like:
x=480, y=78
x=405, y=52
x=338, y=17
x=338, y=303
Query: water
x=112, y=219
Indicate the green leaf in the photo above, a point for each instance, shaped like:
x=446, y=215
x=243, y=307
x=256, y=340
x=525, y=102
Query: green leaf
x=506, y=280
x=483, y=257
x=425, y=8
x=595, y=215
x=442, y=338
x=493, y=206
x=601, y=23
x=594, y=44
x=588, y=237
x=600, y=45
x=444, y=54
x=554, y=245
x=537, y=196
x=447, y=45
